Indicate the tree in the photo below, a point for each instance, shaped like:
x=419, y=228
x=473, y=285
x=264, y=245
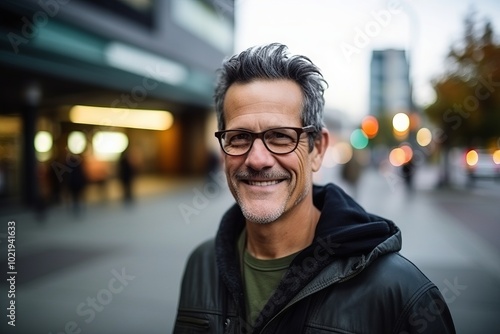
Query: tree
x=467, y=106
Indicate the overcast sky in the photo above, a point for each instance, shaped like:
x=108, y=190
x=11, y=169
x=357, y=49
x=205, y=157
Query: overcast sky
x=339, y=37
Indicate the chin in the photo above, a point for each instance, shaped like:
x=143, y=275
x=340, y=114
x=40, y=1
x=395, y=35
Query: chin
x=261, y=216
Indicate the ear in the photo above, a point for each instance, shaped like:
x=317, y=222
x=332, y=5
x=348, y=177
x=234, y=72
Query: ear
x=320, y=146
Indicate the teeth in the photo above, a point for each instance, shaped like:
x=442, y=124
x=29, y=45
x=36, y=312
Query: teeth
x=262, y=183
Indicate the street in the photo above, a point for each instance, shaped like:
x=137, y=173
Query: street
x=117, y=269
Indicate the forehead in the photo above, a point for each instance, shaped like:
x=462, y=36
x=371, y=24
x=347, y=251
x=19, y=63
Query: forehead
x=263, y=100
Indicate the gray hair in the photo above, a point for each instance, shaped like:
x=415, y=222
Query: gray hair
x=273, y=62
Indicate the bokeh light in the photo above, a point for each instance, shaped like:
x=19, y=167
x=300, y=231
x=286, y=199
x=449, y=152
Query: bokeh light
x=408, y=152
x=338, y=154
x=369, y=125
x=471, y=158
x=397, y=157
x=496, y=157
x=77, y=142
x=424, y=137
x=359, y=140
x=109, y=145
x=342, y=153
x=401, y=122
x=43, y=141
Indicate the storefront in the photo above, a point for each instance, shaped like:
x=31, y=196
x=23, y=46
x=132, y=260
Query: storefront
x=73, y=91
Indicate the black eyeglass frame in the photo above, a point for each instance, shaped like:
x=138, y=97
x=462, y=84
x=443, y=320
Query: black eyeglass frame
x=260, y=135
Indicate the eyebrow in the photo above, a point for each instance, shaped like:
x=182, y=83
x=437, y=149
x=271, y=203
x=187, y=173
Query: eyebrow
x=269, y=128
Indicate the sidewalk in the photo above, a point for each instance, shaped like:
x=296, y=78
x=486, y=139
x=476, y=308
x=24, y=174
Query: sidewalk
x=117, y=269
x=114, y=268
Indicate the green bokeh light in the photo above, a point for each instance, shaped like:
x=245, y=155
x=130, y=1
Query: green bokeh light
x=359, y=140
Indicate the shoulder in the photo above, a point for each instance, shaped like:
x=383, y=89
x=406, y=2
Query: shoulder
x=394, y=267
x=386, y=296
x=395, y=280
x=390, y=279
x=421, y=306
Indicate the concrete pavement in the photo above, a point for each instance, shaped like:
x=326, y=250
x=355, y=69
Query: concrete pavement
x=117, y=269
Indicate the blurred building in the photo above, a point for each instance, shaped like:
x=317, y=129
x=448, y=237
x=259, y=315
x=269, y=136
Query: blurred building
x=390, y=87
x=123, y=57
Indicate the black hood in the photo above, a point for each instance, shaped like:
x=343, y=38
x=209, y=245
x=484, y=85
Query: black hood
x=345, y=222
x=344, y=229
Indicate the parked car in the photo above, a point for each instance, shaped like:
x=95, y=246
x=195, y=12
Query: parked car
x=481, y=163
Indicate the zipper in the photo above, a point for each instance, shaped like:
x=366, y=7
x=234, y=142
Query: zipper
x=193, y=322
x=358, y=269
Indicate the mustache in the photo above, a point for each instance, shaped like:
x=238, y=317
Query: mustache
x=261, y=175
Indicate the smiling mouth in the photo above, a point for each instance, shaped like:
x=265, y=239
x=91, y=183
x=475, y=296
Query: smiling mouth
x=262, y=183
x=261, y=179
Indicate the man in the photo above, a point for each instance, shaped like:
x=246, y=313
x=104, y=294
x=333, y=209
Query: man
x=289, y=256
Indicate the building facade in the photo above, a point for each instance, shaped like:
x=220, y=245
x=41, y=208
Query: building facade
x=390, y=87
x=116, y=60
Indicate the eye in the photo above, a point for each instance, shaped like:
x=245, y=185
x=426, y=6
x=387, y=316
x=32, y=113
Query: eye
x=280, y=136
x=237, y=138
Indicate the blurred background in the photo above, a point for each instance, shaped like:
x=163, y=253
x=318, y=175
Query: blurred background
x=110, y=170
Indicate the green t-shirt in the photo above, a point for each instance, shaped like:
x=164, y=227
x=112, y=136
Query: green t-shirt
x=260, y=278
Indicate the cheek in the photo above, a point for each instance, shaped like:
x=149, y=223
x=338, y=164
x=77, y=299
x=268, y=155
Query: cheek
x=230, y=163
x=230, y=166
x=303, y=167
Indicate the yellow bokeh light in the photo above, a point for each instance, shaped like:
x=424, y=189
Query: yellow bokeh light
x=424, y=137
x=496, y=157
x=77, y=142
x=43, y=141
x=122, y=117
x=342, y=153
x=401, y=122
x=471, y=158
x=337, y=154
x=109, y=145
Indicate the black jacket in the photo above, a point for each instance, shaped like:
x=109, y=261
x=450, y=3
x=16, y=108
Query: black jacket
x=351, y=279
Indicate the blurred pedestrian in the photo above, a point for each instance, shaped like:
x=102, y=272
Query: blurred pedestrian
x=290, y=256
x=127, y=173
x=408, y=172
x=77, y=182
x=55, y=179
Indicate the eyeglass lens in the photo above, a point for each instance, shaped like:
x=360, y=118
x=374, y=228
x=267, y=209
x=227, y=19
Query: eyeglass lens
x=279, y=141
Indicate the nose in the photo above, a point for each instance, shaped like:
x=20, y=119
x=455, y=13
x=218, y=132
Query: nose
x=259, y=157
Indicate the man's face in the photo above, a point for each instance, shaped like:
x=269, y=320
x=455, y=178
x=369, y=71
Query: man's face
x=265, y=185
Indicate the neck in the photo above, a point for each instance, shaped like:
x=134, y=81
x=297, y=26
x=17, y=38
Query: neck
x=287, y=235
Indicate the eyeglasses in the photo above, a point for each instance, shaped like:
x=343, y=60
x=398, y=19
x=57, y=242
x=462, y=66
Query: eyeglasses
x=278, y=140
